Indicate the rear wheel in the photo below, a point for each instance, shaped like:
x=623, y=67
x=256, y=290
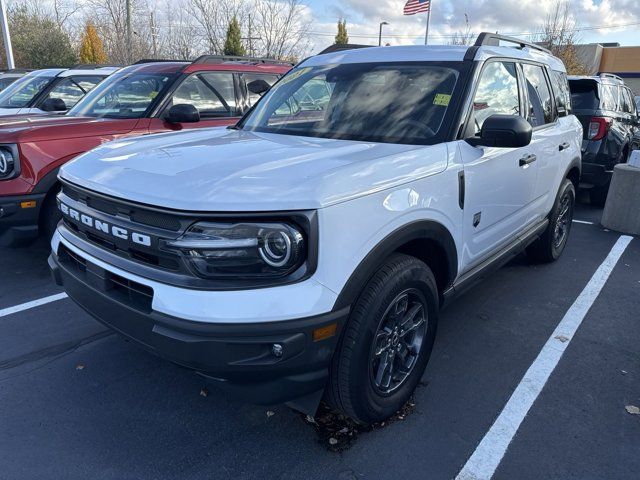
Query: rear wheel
x=551, y=243
x=387, y=341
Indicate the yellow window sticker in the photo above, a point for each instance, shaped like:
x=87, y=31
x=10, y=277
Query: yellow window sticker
x=153, y=94
x=442, y=100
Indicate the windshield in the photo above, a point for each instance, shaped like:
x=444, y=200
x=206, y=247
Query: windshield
x=20, y=93
x=123, y=95
x=389, y=103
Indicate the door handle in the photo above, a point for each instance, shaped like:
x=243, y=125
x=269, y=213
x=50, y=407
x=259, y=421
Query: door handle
x=527, y=160
x=564, y=146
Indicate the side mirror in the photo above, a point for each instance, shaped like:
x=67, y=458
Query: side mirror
x=258, y=86
x=504, y=131
x=54, y=105
x=183, y=113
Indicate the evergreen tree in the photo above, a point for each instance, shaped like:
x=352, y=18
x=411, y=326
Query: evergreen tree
x=233, y=44
x=342, y=38
x=91, y=48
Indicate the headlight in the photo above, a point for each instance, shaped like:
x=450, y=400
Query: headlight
x=241, y=250
x=7, y=163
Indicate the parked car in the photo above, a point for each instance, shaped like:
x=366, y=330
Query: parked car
x=149, y=97
x=307, y=252
x=53, y=90
x=606, y=108
x=9, y=76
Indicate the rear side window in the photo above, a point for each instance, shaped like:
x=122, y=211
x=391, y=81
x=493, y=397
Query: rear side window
x=609, y=97
x=561, y=92
x=628, y=105
x=584, y=94
x=540, y=108
x=213, y=94
x=497, y=93
x=72, y=89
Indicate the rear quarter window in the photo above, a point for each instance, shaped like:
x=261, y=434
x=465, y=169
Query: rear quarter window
x=584, y=94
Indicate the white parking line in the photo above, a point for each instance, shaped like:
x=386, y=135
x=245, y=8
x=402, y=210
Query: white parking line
x=583, y=222
x=35, y=303
x=485, y=459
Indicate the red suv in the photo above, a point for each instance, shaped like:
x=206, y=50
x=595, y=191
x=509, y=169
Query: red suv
x=148, y=97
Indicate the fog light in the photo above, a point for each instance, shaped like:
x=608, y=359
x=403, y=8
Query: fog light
x=277, y=350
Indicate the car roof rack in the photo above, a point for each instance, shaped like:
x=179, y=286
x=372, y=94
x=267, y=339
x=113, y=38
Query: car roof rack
x=158, y=60
x=342, y=47
x=494, y=39
x=610, y=75
x=92, y=66
x=213, y=59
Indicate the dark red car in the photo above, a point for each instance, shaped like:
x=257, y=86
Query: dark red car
x=148, y=97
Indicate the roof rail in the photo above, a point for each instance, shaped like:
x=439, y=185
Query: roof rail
x=92, y=66
x=494, y=39
x=340, y=48
x=238, y=59
x=610, y=75
x=162, y=60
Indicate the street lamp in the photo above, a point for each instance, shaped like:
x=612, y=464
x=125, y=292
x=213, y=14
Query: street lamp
x=380, y=36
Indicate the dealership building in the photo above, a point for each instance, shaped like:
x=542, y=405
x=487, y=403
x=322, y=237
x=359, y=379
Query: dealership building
x=613, y=58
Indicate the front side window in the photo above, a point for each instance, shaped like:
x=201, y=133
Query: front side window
x=123, y=96
x=390, y=103
x=540, y=108
x=21, y=93
x=497, y=93
x=213, y=94
x=72, y=89
x=250, y=77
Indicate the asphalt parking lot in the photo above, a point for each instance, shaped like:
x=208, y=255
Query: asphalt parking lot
x=78, y=402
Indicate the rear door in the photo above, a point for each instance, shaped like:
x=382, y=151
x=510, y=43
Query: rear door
x=499, y=182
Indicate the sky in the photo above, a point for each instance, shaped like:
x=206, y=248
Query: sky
x=599, y=20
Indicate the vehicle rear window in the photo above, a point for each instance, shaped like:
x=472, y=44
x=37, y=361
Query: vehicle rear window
x=584, y=94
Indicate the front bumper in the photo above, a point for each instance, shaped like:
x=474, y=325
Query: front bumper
x=238, y=357
x=19, y=225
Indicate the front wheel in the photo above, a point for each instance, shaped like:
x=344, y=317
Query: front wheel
x=551, y=243
x=387, y=341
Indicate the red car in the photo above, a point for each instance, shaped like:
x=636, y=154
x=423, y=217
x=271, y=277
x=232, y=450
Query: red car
x=148, y=97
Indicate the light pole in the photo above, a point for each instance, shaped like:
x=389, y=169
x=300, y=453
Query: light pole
x=6, y=36
x=380, y=36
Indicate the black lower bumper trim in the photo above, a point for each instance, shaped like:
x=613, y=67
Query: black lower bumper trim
x=19, y=225
x=237, y=357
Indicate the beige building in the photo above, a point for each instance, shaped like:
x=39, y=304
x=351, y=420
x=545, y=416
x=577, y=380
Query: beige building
x=612, y=58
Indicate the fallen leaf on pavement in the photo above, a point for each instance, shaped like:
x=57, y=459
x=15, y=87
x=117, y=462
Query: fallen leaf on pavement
x=80, y=366
x=632, y=409
x=562, y=338
x=270, y=413
x=204, y=392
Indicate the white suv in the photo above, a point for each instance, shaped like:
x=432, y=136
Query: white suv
x=307, y=251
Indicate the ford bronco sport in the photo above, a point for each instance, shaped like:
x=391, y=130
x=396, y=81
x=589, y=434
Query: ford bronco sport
x=149, y=97
x=307, y=251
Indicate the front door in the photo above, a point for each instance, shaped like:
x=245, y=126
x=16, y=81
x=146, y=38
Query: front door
x=499, y=182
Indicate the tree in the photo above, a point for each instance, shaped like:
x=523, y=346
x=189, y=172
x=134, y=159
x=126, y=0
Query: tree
x=283, y=26
x=463, y=37
x=560, y=35
x=38, y=42
x=342, y=38
x=233, y=44
x=91, y=48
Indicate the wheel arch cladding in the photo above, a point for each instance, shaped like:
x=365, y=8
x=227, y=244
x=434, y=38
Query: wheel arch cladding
x=427, y=240
x=574, y=173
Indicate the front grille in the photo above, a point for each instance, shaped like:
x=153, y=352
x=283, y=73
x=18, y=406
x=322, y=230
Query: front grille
x=123, y=290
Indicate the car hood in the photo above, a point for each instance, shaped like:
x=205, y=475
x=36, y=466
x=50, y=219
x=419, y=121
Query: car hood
x=226, y=170
x=33, y=128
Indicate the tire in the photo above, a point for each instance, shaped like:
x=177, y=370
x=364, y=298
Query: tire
x=49, y=215
x=356, y=386
x=552, y=242
x=598, y=196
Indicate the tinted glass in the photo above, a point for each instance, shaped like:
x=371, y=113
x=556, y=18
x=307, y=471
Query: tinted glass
x=540, y=109
x=584, y=94
x=497, y=93
x=123, y=96
x=72, y=89
x=609, y=97
x=561, y=92
x=394, y=103
x=628, y=105
x=213, y=94
x=250, y=77
x=5, y=82
x=22, y=92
